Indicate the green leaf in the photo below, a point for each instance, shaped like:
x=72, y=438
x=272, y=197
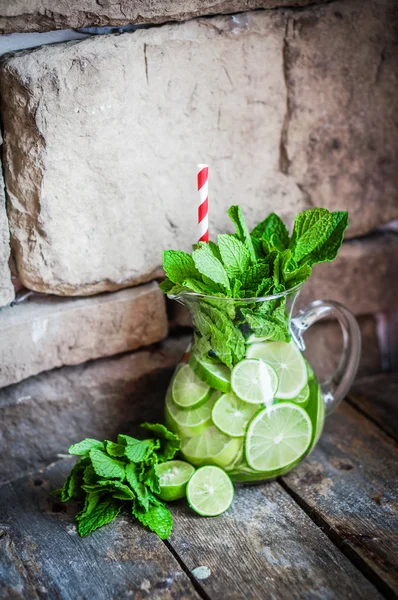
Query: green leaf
x=210, y=267
x=234, y=254
x=132, y=476
x=298, y=276
x=83, y=448
x=236, y=216
x=90, y=476
x=101, y=512
x=72, y=485
x=117, y=489
x=149, y=477
x=215, y=250
x=272, y=230
x=179, y=265
x=264, y=287
x=169, y=442
x=273, y=328
x=114, y=449
x=157, y=518
x=327, y=251
x=254, y=275
x=106, y=466
x=226, y=340
x=310, y=231
x=137, y=450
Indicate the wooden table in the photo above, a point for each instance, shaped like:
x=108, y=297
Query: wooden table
x=327, y=530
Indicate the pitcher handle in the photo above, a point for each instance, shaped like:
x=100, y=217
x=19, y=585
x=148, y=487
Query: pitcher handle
x=335, y=388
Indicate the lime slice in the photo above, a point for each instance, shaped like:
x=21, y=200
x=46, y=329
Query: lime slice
x=231, y=415
x=187, y=423
x=173, y=477
x=188, y=390
x=210, y=447
x=277, y=436
x=316, y=412
x=288, y=363
x=254, y=381
x=215, y=374
x=303, y=397
x=310, y=372
x=210, y=491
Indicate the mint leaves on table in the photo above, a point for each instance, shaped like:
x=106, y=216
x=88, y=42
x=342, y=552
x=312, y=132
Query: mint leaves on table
x=265, y=262
x=110, y=476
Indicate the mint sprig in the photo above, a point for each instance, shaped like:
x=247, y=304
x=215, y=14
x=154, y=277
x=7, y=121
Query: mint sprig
x=265, y=262
x=112, y=475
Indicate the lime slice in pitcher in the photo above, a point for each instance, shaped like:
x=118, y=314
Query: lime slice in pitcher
x=254, y=381
x=277, y=436
x=188, y=390
x=231, y=415
x=288, y=363
x=188, y=423
x=215, y=374
x=316, y=412
x=211, y=447
x=210, y=491
x=303, y=396
x=173, y=478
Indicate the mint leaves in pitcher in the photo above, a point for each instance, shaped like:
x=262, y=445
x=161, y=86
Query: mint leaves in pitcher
x=265, y=262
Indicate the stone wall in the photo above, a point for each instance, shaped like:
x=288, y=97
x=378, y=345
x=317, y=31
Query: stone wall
x=293, y=105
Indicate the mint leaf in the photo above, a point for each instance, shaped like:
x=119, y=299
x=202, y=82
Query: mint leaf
x=211, y=268
x=169, y=442
x=83, y=448
x=236, y=216
x=117, y=489
x=264, y=287
x=72, y=485
x=157, y=518
x=234, y=254
x=90, y=476
x=179, y=265
x=328, y=249
x=137, y=450
x=273, y=231
x=137, y=486
x=150, y=478
x=310, y=231
x=214, y=248
x=114, y=449
x=105, y=466
x=101, y=512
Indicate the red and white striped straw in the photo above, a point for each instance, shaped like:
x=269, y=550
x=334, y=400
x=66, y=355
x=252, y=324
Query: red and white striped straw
x=203, y=206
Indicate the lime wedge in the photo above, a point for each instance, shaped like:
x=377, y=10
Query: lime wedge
x=316, y=412
x=188, y=390
x=210, y=447
x=231, y=415
x=254, y=381
x=189, y=422
x=288, y=363
x=174, y=476
x=277, y=436
x=210, y=491
x=215, y=374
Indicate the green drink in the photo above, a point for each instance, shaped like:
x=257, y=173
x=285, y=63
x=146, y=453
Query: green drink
x=245, y=399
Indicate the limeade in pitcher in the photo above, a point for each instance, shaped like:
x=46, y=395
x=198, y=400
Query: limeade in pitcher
x=245, y=398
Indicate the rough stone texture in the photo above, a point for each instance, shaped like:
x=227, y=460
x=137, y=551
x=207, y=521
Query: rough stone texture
x=262, y=97
x=363, y=278
x=39, y=15
x=45, y=414
x=46, y=332
x=6, y=287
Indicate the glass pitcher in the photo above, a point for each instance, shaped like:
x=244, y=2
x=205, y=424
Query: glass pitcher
x=244, y=397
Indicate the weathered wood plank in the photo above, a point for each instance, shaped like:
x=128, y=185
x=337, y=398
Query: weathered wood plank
x=14, y=581
x=377, y=396
x=349, y=485
x=265, y=547
x=119, y=561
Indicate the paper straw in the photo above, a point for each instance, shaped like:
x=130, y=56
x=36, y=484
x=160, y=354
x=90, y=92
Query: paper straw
x=203, y=206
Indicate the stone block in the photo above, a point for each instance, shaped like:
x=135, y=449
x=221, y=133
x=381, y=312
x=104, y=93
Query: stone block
x=6, y=287
x=43, y=415
x=244, y=88
x=39, y=15
x=46, y=332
